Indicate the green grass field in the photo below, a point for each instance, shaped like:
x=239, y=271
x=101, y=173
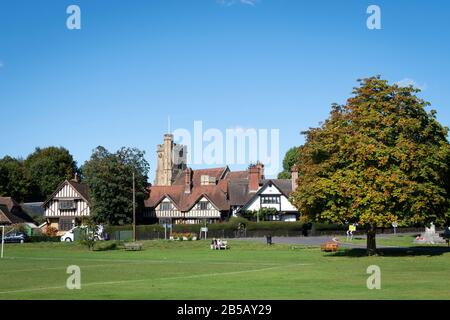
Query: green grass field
x=400, y=240
x=190, y=270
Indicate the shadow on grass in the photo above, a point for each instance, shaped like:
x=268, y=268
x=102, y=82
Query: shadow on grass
x=393, y=252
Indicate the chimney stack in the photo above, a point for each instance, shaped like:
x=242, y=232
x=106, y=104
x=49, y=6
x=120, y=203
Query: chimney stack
x=254, y=175
x=187, y=180
x=294, y=177
x=260, y=166
x=76, y=178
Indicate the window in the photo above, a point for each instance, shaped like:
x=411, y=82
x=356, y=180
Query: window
x=65, y=224
x=165, y=206
x=204, y=180
x=203, y=205
x=66, y=204
x=270, y=199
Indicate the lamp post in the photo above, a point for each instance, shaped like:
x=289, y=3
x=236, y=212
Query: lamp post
x=134, y=210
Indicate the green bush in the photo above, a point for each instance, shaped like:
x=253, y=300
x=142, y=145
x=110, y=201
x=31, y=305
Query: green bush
x=44, y=238
x=235, y=222
x=232, y=225
x=139, y=228
x=105, y=245
x=275, y=225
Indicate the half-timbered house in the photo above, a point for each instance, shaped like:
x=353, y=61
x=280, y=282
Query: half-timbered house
x=216, y=194
x=66, y=207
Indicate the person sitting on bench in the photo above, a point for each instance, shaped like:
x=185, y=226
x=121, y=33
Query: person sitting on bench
x=214, y=244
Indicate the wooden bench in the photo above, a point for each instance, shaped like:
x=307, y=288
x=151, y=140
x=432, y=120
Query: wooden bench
x=329, y=247
x=133, y=246
x=224, y=246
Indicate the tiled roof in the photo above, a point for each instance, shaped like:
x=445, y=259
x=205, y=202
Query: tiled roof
x=238, y=192
x=81, y=188
x=33, y=208
x=237, y=175
x=11, y=212
x=285, y=185
x=216, y=173
x=9, y=202
x=185, y=201
x=231, y=188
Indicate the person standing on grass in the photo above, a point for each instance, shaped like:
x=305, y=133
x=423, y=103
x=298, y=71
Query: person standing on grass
x=350, y=230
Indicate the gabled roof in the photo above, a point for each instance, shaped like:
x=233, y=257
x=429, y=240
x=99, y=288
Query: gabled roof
x=33, y=208
x=12, y=211
x=158, y=193
x=79, y=187
x=213, y=193
x=7, y=217
x=185, y=201
x=164, y=196
x=216, y=194
x=217, y=173
x=280, y=184
x=284, y=185
x=9, y=202
x=231, y=189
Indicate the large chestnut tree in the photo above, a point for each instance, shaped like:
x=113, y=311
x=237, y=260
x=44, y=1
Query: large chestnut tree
x=378, y=159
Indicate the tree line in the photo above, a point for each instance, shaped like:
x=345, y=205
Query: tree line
x=108, y=176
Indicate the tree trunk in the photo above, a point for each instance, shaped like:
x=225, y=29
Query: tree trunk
x=371, y=242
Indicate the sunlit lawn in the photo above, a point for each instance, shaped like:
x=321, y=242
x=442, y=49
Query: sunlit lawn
x=391, y=240
x=249, y=270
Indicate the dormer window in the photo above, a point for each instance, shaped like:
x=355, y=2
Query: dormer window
x=67, y=204
x=203, y=205
x=206, y=180
x=270, y=199
x=165, y=206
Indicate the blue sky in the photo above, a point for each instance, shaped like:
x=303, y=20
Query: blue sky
x=273, y=64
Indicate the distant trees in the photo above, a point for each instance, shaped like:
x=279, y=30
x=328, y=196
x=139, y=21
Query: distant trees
x=46, y=168
x=263, y=214
x=109, y=177
x=36, y=177
x=378, y=159
x=292, y=157
x=13, y=180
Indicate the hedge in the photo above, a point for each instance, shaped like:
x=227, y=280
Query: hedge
x=44, y=238
x=227, y=226
x=104, y=246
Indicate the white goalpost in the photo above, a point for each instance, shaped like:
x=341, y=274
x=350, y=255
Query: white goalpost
x=3, y=240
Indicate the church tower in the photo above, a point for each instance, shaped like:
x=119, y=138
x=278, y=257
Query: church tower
x=171, y=161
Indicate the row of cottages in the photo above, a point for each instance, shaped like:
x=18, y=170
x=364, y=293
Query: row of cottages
x=196, y=196
x=182, y=195
x=66, y=207
x=11, y=212
x=214, y=195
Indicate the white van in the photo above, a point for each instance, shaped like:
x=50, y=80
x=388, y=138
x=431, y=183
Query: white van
x=69, y=235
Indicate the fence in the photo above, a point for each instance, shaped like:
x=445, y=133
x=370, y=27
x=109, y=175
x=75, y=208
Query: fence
x=126, y=235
